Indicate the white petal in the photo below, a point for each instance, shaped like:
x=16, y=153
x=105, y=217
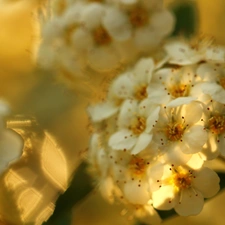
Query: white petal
x=190, y=203
x=215, y=53
x=142, y=142
x=143, y=70
x=122, y=87
x=195, y=161
x=210, y=149
x=128, y=111
x=123, y=139
x=192, y=112
x=136, y=194
x=195, y=138
x=10, y=146
x=207, y=182
x=152, y=118
x=82, y=39
x=181, y=101
x=117, y=24
x=175, y=154
x=180, y=53
x=106, y=188
x=164, y=198
x=215, y=91
x=92, y=15
x=102, y=111
x=163, y=21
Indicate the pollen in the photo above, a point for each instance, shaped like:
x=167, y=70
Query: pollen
x=138, y=125
x=179, y=90
x=141, y=92
x=217, y=124
x=101, y=36
x=174, y=132
x=137, y=165
x=222, y=82
x=139, y=17
x=182, y=180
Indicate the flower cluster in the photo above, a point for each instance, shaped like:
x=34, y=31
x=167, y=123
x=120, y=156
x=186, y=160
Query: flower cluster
x=102, y=35
x=157, y=127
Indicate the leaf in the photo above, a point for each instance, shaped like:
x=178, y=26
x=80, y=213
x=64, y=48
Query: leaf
x=186, y=19
x=79, y=188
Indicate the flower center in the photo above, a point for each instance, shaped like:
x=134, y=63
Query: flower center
x=141, y=92
x=182, y=180
x=180, y=90
x=139, y=17
x=174, y=132
x=217, y=124
x=222, y=82
x=138, y=125
x=137, y=165
x=101, y=36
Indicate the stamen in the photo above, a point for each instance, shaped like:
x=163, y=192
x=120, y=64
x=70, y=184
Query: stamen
x=101, y=36
x=217, y=124
x=139, y=17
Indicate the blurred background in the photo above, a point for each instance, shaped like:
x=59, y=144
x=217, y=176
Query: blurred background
x=56, y=143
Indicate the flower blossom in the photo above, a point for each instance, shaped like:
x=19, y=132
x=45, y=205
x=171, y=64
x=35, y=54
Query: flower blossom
x=132, y=84
x=135, y=125
x=182, y=188
x=179, y=132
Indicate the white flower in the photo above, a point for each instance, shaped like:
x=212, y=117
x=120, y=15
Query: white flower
x=132, y=84
x=135, y=124
x=214, y=77
x=182, y=188
x=145, y=22
x=214, y=119
x=179, y=133
x=183, y=52
x=175, y=86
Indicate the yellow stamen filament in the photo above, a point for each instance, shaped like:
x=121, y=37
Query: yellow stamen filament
x=139, y=17
x=179, y=90
x=141, y=92
x=174, y=132
x=138, y=125
x=137, y=165
x=217, y=124
x=101, y=36
x=182, y=180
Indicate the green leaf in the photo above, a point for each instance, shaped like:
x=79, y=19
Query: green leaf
x=186, y=19
x=79, y=188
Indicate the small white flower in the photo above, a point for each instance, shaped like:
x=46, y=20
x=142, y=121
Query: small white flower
x=183, y=189
x=214, y=77
x=214, y=119
x=179, y=133
x=135, y=125
x=175, y=86
x=183, y=52
x=142, y=21
x=133, y=84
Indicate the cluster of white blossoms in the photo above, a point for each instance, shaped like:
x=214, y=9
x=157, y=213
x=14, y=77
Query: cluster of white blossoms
x=102, y=35
x=156, y=129
x=10, y=142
